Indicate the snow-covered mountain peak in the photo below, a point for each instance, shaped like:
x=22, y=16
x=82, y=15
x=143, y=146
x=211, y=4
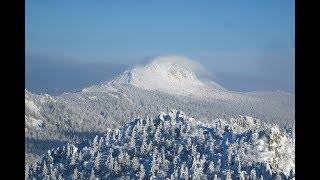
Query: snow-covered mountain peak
x=169, y=74
x=168, y=69
x=173, y=67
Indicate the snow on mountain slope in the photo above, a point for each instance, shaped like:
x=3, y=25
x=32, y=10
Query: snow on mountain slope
x=170, y=74
x=33, y=106
x=177, y=75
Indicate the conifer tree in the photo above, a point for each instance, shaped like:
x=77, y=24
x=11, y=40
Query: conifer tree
x=135, y=163
x=75, y=174
x=261, y=177
x=142, y=172
x=92, y=175
x=253, y=175
x=228, y=175
x=215, y=177
x=26, y=172
x=97, y=161
x=109, y=162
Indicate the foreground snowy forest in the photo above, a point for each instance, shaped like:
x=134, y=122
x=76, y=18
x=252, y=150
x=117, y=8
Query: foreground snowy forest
x=73, y=117
x=175, y=146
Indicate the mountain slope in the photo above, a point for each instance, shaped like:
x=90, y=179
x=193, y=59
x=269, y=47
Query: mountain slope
x=73, y=117
x=180, y=76
x=170, y=74
x=175, y=146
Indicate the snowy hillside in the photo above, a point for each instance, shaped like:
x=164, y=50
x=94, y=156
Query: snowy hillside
x=33, y=108
x=170, y=74
x=74, y=117
x=180, y=77
x=174, y=146
x=177, y=76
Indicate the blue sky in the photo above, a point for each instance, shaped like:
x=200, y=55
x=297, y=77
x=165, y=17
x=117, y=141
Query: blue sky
x=247, y=38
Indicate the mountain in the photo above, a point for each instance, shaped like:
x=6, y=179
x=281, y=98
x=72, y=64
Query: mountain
x=172, y=74
x=180, y=76
x=174, y=146
x=169, y=74
x=73, y=117
x=182, y=79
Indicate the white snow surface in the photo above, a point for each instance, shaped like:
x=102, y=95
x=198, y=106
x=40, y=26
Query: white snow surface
x=170, y=74
x=177, y=75
x=30, y=121
x=31, y=106
x=270, y=144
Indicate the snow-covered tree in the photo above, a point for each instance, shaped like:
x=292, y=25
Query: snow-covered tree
x=75, y=174
x=142, y=172
x=253, y=175
x=92, y=175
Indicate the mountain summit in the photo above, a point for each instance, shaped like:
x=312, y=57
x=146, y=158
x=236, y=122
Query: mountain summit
x=170, y=74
